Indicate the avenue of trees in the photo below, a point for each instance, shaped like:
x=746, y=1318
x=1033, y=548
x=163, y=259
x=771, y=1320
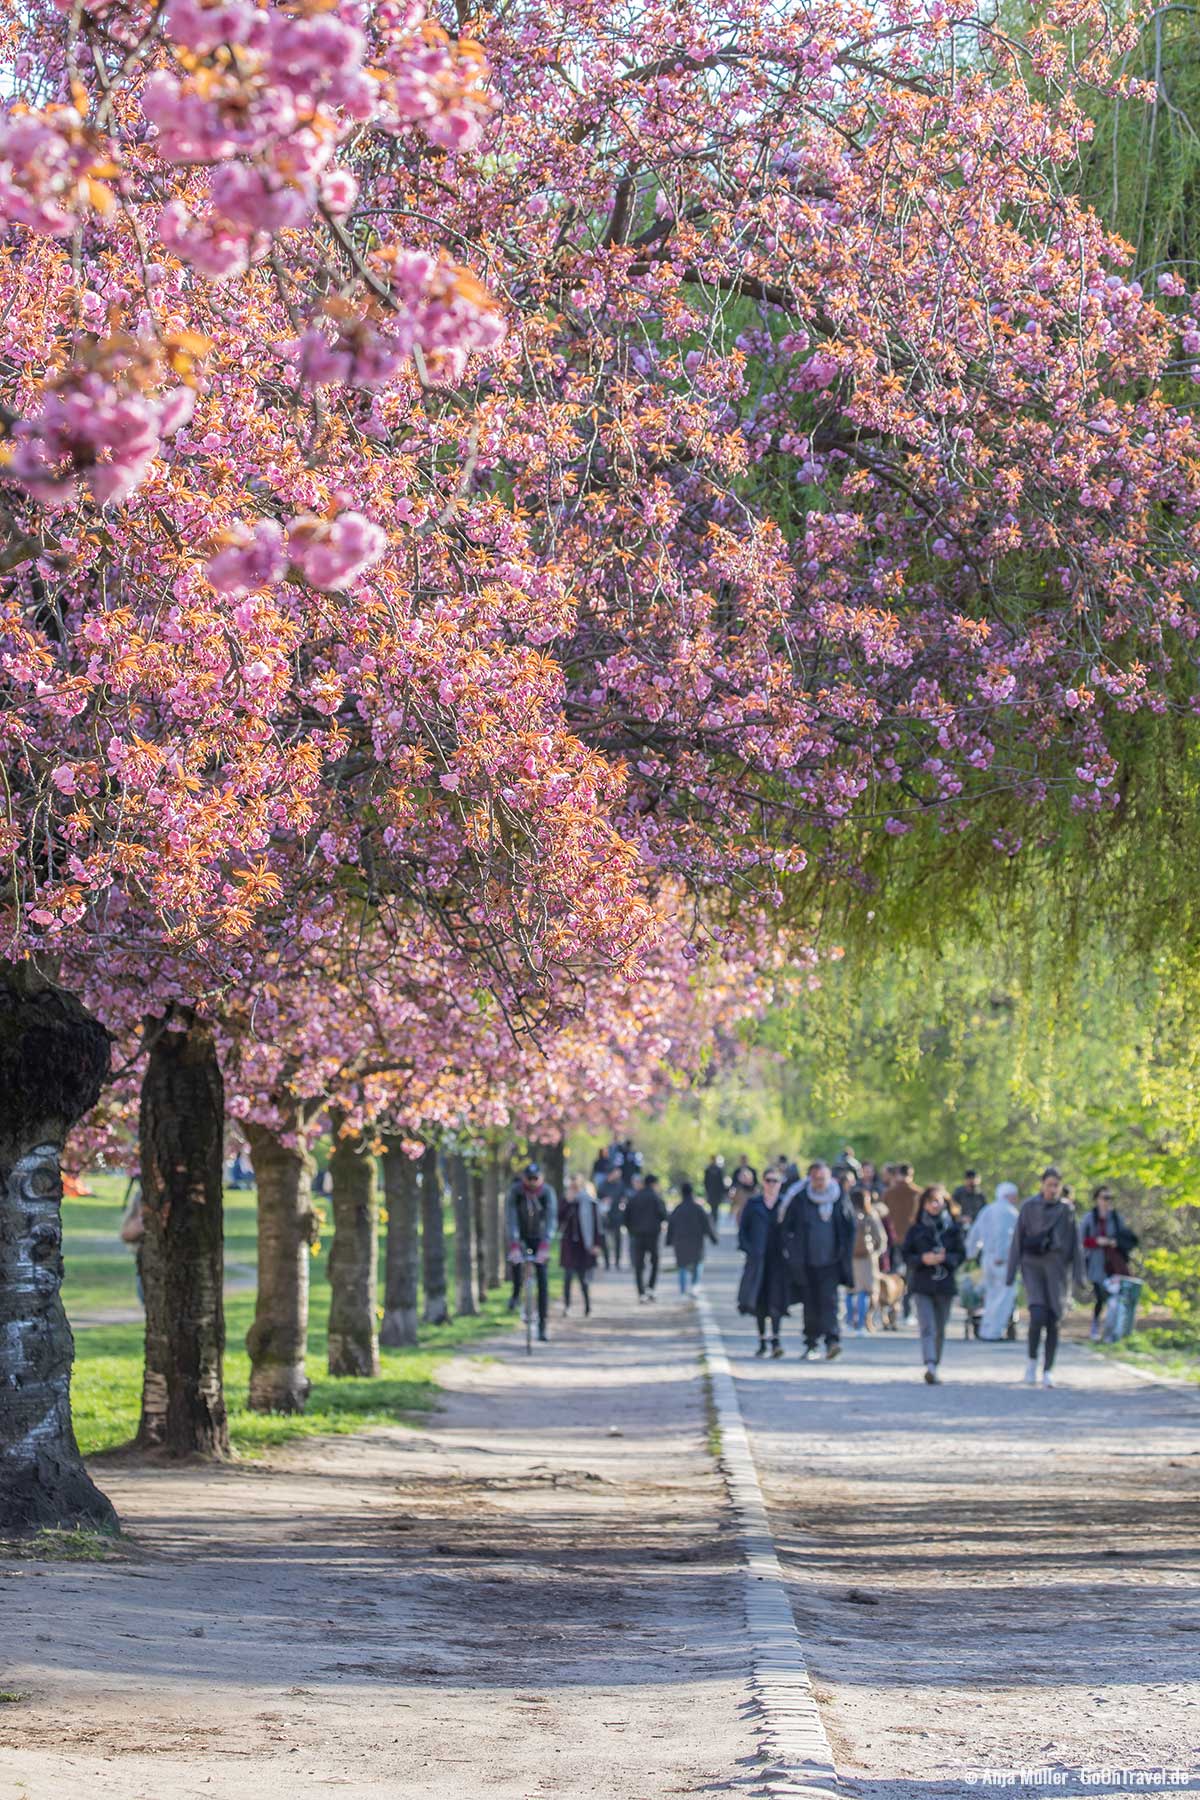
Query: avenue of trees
x=517, y=526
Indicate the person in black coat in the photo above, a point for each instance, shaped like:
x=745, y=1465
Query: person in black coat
x=645, y=1216
x=688, y=1228
x=764, y=1290
x=716, y=1186
x=933, y=1250
x=819, y=1229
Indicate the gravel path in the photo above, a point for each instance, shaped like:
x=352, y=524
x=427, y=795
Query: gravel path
x=536, y=1596
x=985, y=1576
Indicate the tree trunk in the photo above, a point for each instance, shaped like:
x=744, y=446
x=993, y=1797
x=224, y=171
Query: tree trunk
x=402, y=1264
x=477, y=1227
x=463, y=1283
x=54, y=1060
x=353, y=1258
x=553, y=1158
x=493, y=1222
x=277, y=1342
x=433, y=1239
x=181, y=1130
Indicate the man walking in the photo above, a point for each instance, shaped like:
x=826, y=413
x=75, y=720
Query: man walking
x=818, y=1245
x=969, y=1197
x=688, y=1227
x=611, y=1195
x=530, y=1221
x=645, y=1216
x=716, y=1186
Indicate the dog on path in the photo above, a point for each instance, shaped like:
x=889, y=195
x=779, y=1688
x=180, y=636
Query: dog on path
x=886, y=1299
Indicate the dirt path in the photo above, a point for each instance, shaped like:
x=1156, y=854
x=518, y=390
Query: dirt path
x=984, y=1575
x=515, y=1602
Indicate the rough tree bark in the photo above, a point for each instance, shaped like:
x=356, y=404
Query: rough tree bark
x=478, y=1230
x=181, y=1130
x=277, y=1342
x=493, y=1223
x=433, y=1239
x=464, y=1285
x=54, y=1060
x=353, y=1257
x=402, y=1256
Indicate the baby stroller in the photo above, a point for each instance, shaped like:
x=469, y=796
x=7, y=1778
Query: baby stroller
x=970, y=1293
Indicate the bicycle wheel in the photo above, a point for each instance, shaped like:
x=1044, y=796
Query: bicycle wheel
x=530, y=1302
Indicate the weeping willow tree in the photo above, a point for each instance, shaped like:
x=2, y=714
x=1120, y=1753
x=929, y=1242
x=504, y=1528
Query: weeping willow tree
x=1142, y=169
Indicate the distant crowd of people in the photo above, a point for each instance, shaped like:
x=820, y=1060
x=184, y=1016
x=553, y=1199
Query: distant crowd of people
x=884, y=1241
x=621, y=1205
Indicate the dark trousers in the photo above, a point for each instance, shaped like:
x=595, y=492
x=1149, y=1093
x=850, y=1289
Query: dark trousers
x=1099, y=1298
x=1039, y=1317
x=821, y=1306
x=613, y=1238
x=776, y=1320
x=572, y=1275
x=645, y=1250
x=543, y=1290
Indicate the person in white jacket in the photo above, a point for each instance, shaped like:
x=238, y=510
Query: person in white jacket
x=989, y=1239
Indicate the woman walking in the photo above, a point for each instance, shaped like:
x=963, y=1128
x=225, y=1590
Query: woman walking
x=764, y=1288
x=933, y=1250
x=1107, y=1241
x=581, y=1229
x=1047, y=1250
x=689, y=1228
x=870, y=1242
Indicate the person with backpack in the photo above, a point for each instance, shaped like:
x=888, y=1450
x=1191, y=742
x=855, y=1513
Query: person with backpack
x=530, y=1221
x=581, y=1232
x=933, y=1250
x=688, y=1229
x=1108, y=1244
x=1047, y=1250
x=645, y=1216
x=818, y=1234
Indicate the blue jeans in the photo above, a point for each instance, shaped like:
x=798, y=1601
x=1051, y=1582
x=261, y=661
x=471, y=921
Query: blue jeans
x=857, y=1306
x=689, y=1275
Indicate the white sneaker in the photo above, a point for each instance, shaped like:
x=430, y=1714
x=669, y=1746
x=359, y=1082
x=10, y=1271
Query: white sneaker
x=1048, y=1380
x=1030, y=1374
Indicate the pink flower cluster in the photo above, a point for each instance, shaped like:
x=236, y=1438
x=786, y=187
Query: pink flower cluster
x=440, y=309
x=90, y=434
x=45, y=160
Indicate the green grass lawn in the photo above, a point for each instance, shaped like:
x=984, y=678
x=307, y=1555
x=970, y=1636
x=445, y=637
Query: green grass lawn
x=1162, y=1350
x=106, y=1388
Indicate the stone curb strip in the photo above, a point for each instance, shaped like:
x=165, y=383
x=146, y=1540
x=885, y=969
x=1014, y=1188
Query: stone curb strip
x=799, y=1762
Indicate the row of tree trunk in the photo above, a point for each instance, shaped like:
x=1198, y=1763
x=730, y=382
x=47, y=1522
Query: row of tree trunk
x=54, y=1059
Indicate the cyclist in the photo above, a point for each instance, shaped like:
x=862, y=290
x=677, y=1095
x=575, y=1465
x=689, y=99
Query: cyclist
x=531, y=1219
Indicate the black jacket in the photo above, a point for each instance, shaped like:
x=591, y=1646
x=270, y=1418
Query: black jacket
x=687, y=1229
x=716, y=1184
x=797, y=1225
x=942, y=1233
x=645, y=1213
x=764, y=1286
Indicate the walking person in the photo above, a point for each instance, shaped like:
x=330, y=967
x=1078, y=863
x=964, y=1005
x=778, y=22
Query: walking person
x=689, y=1228
x=645, y=1216
x=744, y=1183
x=612, y=1194
x=870, y=1242
x=581, y=1232
x=969, y=1198
x=530, y=1221
x=1107, y=1242
x=1047, y=1250
x=818, y=1243
x=989, y=1239
x=933, y=1250
x=765, y=1288
x=716, y=1186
